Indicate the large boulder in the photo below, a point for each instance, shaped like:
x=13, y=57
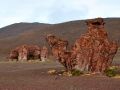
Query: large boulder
x=92, y=52
x=59, y=49
x=13, y=55
x=57, y=45
x=24, y=52
x=33, y=52
x=44, y=53
x=94, y=49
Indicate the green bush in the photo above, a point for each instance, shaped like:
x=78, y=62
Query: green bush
x=77, y=73
x=110, y=72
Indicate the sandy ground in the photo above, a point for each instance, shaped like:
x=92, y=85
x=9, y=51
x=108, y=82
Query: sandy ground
x=34, y=76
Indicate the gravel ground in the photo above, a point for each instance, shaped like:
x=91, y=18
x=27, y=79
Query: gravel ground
x=34, y=76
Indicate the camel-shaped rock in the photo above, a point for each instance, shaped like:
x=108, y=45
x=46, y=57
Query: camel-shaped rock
x=92, y=52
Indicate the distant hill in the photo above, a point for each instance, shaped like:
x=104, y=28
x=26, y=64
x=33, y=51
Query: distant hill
x=19, y=28
x=70, y=31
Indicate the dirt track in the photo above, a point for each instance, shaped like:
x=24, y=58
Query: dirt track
x=33, y=76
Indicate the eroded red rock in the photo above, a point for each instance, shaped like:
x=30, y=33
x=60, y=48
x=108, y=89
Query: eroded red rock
x=92, y=52
x=33, y=52
x=44, y=53
x=24, y=52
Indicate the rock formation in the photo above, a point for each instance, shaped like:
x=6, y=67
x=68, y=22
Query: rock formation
x=58, y=45
x=59, y=49
x=24, y=52
x=13, y=55
x=33, y=52
x=44, y=53
x=92, y=52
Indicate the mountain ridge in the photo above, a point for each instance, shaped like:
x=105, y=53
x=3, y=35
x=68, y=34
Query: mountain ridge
x=18, y=28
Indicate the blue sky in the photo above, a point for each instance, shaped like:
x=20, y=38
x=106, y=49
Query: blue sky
x=55, y=11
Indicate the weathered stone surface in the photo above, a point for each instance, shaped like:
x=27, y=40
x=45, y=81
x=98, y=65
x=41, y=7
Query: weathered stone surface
x=59, y=49
x=92, y=52
x=94, y=49
x=58, y=45
x=13, y=54
x=33, y=52
x=44, y=53
x=24, y=52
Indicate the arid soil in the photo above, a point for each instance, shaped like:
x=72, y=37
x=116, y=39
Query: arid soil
x=34, y=76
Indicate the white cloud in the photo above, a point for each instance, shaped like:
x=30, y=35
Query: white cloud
x=14, y=11
x=55, y=11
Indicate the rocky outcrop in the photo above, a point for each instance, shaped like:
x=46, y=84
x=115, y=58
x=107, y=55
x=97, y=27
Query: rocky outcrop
x=94, y=49
x=33, y=52
x=24, y=52
x=92, y=52
x=44, y=53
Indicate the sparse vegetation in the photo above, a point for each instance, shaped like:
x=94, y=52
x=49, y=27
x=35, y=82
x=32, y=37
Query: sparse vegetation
x=77, y=73
x=110, y=72
x=113, y=71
